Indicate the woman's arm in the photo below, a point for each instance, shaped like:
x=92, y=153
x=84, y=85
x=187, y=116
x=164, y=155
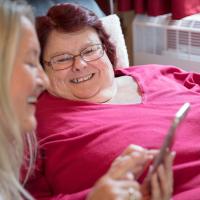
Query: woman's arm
x=119, y=183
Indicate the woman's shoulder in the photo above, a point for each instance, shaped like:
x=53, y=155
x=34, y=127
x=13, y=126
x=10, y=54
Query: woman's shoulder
x=149, y=72
x=150, y=68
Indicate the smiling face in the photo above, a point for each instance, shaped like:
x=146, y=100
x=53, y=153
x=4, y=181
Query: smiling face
x=84, y=81
x=28, y=79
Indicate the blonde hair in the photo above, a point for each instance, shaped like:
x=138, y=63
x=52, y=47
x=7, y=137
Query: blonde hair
x=12, y=141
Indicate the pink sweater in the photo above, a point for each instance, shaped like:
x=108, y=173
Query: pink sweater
x=79, y=140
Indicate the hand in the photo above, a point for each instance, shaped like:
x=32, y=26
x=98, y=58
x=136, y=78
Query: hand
x=161, y=182
x=110, y=189
x=119, y=182
x=133, y=160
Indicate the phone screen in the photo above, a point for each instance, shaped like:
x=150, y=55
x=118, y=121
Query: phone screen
x=169, y=138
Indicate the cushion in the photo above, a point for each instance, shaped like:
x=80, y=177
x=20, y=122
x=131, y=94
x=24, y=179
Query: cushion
x=112, y=26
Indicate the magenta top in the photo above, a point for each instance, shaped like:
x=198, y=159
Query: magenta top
x=79, y=140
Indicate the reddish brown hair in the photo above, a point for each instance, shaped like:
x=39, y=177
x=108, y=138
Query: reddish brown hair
x=70, y=17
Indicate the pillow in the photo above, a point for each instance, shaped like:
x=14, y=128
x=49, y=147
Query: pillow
x=112, y=26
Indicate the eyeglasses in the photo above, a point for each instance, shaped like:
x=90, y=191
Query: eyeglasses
x=64, y=61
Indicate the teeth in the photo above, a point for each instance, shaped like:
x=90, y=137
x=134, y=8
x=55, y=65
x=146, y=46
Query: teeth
x=32, y=99
x=78, y=80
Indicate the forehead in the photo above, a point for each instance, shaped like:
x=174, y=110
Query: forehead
x=28, y=39
x=59, y=41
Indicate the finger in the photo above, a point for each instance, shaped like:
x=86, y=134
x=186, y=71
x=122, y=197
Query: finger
x=169, y=159
x=134, y=194
x=131, y=148
x=166, y=181
x=135, y=148
x=131, y=187
x=155, y=189
x=163, y=178
x=121, y=166
x=168, y=162
x=107, y=188
x=121, y=187
x=125, y=184
x=141, y=158
x=153, y=152
x=129, y=163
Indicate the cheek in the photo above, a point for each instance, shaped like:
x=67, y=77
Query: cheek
x=105, y=67
x=20, y=109
x=99, y=66
x=58, y=81
x=19, y=93
x=56, y=75
x=20, y=96
x=105, y=62
x=26, y=113
x=23, y=83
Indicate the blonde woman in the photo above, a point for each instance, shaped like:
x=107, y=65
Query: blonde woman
x=21, y=81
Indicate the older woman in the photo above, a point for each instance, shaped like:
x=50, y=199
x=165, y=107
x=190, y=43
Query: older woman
x=93, y=110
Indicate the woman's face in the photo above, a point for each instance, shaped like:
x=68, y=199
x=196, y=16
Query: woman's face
x=28, y=79
x=84, y=81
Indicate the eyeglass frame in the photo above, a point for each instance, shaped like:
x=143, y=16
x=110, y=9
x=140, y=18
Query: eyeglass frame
x=49, y=63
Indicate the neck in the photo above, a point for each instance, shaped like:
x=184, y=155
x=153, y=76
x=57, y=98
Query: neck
x=109, y=94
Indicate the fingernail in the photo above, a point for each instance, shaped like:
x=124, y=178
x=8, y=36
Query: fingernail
x=138, y=148
x=173, y=153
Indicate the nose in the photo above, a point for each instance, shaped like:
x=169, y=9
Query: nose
x=42, y=79
x=78, y=64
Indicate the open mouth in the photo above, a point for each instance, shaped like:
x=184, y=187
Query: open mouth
x=82, y=79
x=32, y=100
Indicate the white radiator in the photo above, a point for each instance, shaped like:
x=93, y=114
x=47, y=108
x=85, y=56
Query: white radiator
x=161, y=40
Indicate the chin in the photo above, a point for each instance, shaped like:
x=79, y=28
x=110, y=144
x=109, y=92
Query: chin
x=84, y=95
x=29, y=125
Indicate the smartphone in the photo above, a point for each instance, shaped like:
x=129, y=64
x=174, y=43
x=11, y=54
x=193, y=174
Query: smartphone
x=169, y=138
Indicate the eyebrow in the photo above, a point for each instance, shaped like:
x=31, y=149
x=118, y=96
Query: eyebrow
x=34, y=52
x=81, y=49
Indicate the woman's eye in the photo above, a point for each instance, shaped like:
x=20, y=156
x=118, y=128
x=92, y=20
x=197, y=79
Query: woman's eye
x=89, y=51
x=64, y=59
x=32, y=65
